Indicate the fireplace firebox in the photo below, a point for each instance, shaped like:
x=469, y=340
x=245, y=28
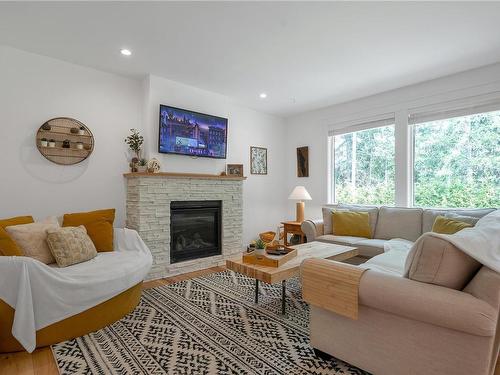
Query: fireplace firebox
x=195, y=229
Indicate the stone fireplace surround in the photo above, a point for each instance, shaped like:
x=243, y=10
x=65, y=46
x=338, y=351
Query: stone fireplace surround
x=148, y=211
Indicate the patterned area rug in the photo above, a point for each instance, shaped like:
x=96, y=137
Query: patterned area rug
x=207, y=325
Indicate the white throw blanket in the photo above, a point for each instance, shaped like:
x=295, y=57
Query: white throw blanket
x=482, y=242
x=42, y=295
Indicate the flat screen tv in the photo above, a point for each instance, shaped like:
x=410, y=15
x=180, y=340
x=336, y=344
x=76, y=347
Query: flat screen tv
x=192, y=133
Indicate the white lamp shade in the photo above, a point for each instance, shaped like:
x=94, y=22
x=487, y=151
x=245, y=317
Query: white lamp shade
x=300, y=194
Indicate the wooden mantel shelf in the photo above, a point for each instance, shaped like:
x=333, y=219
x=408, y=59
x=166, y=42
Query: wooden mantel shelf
x=184, y=175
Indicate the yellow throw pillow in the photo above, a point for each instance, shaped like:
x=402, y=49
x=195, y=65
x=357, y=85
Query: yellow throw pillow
x=445, y=225
x=99, y=226
x=7, y=245
x=348, y=223
x=70, y=245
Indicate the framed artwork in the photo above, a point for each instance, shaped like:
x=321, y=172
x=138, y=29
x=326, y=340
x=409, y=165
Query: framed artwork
x=235, y=170
x=303, y=161
x=258, y=160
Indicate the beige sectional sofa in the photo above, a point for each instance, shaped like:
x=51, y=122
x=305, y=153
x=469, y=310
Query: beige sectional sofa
x=386, y=223
x=426, y=309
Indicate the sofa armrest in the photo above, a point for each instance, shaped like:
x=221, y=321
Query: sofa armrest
x=423, y=302
x=312, y=228
x=427, y=303
x=331, y=285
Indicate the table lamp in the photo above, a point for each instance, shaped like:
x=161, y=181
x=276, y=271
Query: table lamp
x=300, y=194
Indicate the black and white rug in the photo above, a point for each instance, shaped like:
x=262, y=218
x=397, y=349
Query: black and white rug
x=206, y=325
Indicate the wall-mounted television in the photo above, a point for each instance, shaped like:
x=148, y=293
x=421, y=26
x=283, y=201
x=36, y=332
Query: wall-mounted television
x=185, y=132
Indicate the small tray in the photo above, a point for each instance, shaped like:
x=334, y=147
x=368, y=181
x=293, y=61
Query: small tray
x=269, y=260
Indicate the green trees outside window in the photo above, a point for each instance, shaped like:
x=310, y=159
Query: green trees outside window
x=363, y=170
x=457, y=162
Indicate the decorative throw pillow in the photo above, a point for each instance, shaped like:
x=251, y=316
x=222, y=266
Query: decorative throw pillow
x=356, y=224
x=70, y=245
x=446, y=225
x=32, y=239
x=99, y=226
x=7, y=245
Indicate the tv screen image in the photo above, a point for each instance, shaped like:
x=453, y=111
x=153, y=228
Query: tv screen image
x=192, y=133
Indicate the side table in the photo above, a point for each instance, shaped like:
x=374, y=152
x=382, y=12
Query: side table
x=292, y=227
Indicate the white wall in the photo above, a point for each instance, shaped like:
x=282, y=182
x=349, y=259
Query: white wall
x=34, y=89
x=311, y=128
x=264, y=197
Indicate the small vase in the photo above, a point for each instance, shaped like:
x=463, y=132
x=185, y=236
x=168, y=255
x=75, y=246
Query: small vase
x=44, y=143
x=79, y=146
x=52, y=144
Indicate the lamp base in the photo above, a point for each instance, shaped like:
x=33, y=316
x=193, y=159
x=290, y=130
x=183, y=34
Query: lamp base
x=300, y=212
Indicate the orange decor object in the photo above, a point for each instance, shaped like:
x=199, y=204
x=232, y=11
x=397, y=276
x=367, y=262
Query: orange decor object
x=267, y=237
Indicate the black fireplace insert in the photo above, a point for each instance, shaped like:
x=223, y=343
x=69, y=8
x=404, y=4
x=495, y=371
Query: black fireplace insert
x=195, y=229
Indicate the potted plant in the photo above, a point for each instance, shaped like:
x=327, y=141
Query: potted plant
x=46, y=126
x=134, y=142
x=260, y=247
x=142, y=166
x=81, y=131
x=44, y=142
x=79, y=145
x=66, y=143
x=52, y=143
x=74, y=130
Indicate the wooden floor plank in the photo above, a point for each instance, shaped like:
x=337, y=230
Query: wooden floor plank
x=17, y=363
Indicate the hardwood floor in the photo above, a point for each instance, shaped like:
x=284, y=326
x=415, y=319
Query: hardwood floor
x=41, y=361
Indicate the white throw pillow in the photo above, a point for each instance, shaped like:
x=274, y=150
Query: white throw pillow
x=32, y=239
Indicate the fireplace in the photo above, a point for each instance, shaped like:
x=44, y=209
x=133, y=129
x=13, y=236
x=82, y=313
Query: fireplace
x=195, y=229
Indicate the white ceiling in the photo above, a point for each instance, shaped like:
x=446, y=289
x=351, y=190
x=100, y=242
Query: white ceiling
x=303, y=55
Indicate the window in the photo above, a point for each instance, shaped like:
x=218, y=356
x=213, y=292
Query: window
x=456, y=161
x=362, y=165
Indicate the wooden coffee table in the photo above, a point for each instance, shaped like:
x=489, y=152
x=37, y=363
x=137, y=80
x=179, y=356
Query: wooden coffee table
x=290, y=269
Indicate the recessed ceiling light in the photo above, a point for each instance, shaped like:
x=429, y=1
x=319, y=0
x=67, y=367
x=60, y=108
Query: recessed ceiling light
x=125, y=52
x=263, y=95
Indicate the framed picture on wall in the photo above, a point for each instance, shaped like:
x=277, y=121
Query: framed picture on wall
x=258, y=160
x=303, y=161
x=235, y=170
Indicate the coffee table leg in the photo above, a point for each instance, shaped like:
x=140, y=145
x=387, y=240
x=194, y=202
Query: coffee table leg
x=283, y=297
x=256, y=291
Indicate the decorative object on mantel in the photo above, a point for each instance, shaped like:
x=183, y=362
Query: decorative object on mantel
x=58, y=143
x=235, y=170
x=300, y=194
x=153, y=166
x=258, y=160
x=142, y=166
x=303, y=161
x=134, y=142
